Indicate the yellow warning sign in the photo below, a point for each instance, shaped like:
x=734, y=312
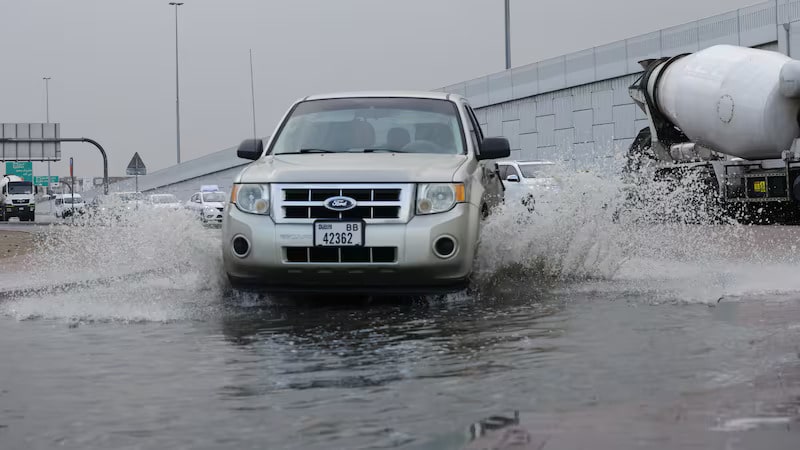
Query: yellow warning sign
x=760, y=186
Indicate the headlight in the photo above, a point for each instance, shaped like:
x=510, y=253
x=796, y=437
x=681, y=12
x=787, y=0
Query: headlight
x=439, y=197
x=251, y=198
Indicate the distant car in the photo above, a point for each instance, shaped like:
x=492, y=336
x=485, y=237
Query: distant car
x=130, y=199
x=208, y=204
x=65, y=205
x=115, y=205
x=524, y=180
x=164, y=201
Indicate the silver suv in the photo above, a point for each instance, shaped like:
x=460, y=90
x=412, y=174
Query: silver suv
x=373, y=192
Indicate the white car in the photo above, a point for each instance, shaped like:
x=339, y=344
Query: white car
x=527, y=180
x=164, y=201
x=208, y=204
x=67, y=204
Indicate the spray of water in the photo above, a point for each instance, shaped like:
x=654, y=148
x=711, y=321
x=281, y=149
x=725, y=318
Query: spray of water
x=121, y=263
x=661, y=238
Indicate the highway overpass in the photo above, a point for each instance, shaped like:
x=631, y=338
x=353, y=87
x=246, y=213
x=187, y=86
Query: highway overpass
x=574, y=108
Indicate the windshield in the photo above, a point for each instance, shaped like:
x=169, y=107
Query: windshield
x=166, y=198
x=413, y=125
x=20, y=187
x=68, y=200
x=536, y=170
x=214, y=197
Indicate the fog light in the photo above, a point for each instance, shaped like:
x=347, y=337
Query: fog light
x=241, y=246
x=444, y=247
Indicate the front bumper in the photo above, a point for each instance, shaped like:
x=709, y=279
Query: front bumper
x=214, y=215
x=16, y=210
x=415, y=268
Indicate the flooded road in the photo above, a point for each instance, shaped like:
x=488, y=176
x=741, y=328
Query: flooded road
x=670, y=337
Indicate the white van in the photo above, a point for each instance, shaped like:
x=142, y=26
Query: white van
x=66, y=204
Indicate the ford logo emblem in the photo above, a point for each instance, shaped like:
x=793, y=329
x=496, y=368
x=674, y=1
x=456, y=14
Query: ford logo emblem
x=340, y=203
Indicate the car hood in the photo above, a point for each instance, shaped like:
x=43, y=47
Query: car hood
x=354, y=167
x=214, y=204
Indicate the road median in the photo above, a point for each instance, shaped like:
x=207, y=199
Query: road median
x=15, y=243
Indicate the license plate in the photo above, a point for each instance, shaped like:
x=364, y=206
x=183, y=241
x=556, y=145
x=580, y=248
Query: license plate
x=338, y=234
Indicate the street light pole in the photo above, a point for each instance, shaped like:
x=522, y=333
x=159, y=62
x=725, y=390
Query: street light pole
x=47, y=112
x=253, y=94
x=177, y=92
x=508, y=35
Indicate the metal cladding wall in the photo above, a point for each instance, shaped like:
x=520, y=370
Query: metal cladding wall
x=573, y=108
x=576, y=108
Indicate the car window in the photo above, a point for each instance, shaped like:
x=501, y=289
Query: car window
x=212, y=197
x=506, y=170
x=537, y=170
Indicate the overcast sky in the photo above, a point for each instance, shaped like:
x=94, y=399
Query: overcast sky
x=112, y=62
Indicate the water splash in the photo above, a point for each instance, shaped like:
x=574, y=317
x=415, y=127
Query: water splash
x=638, y=236
x=659, y=240
x=128, y=264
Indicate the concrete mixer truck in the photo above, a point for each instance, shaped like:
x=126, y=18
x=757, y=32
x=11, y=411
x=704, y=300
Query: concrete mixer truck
x=730, y=116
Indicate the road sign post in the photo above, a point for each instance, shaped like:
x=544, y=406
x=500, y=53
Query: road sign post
x=6, y=140
x=72, y=181
x=136, y=167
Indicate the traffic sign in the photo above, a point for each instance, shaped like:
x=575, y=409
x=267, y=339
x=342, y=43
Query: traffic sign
x=42, y=181
x=22, y=169
x=136, y=166
x=11, y=149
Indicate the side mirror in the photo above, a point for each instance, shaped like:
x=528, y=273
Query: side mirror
x=495, y=148
x=513, y=178
x=250, y=149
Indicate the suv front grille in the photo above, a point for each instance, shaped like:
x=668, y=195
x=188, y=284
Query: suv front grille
x=338, y=255
x=374, y=202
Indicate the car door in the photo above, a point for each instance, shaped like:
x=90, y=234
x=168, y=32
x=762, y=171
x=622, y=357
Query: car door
x=490, y=178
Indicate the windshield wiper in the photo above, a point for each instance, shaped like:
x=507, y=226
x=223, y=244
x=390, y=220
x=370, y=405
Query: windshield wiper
x=315, y=150
x=388, y=150
x=307, y=150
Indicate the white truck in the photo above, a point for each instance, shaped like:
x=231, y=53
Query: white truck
x=728, y=115
x=16, y=199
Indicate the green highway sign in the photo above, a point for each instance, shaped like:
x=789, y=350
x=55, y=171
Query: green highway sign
x=42, y=181
x=22, y=169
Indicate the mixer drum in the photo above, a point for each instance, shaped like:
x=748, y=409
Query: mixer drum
x=738, y=101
